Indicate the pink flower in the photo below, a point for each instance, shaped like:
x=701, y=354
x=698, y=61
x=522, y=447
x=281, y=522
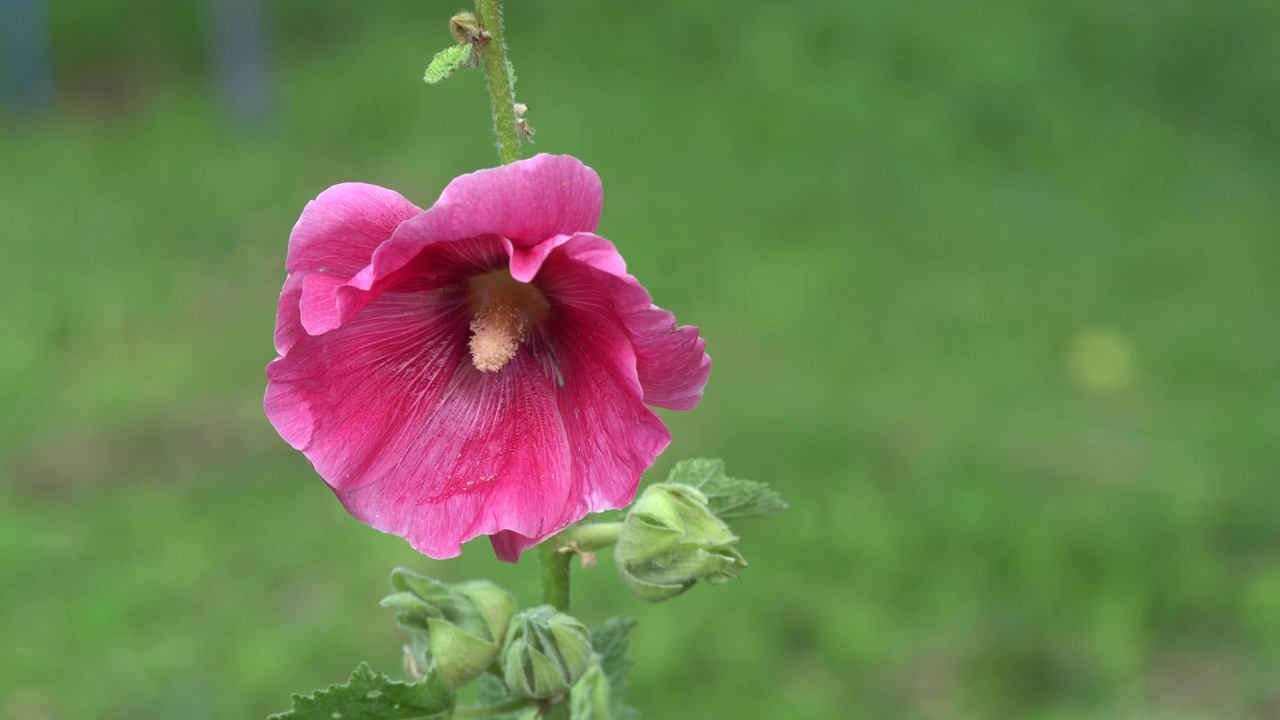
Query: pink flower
x=482, y=367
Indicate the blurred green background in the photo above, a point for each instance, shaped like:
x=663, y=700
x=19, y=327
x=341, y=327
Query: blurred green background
x=991, y=291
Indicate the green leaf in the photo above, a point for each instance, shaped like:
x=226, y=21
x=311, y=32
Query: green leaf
x=727, y=497
x=492, y=692
x=370, y=695
x=447, y=62
x=609, y=640
x=589, y=699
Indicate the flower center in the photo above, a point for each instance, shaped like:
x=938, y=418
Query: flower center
x=504, y=310
x=495, y=336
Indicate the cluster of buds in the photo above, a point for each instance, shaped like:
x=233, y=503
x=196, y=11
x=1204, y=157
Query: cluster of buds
x=460, y=630
x=671, y=538
x=456, y=628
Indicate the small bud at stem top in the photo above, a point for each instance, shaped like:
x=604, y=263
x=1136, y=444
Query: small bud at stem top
x=466, y=29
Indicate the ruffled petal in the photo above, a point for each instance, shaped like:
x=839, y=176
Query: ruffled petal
x=613, y=436
x=525, y=262
x=671, y=361
x=327, y=305
x=336, y=234
x=524, y=204
x=412, y=438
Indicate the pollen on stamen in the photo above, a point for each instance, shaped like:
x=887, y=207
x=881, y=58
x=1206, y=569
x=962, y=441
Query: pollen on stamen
x=495, y=337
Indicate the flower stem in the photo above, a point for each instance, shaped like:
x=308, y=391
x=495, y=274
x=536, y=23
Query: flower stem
x=555, y=575
x=502, y=97
x=555, y=592
x=591, y=536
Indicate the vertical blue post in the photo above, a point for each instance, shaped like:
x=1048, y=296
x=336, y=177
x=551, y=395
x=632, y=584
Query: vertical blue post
x=240, y=58
x=26, y=86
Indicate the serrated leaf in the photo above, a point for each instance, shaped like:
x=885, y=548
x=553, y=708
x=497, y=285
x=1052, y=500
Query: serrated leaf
x=727, y=497
x=609, y=640
x=370, y=695
x=447, y=62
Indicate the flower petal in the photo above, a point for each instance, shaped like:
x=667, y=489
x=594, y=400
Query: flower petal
x=337, y=233
x=525, y=262
x=413, y=439
x=613, y=435
x=523, y=203
x=671, y=361
x=526, y=202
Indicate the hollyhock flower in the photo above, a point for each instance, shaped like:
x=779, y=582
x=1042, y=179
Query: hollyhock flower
x=482, y=367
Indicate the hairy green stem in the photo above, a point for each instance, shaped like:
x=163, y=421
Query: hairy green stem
x=502, y=97
x=589, y=537
x=555, y=592
x=555, y=575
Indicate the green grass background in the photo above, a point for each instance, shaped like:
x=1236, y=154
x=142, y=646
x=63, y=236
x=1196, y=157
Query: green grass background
x=991, y=291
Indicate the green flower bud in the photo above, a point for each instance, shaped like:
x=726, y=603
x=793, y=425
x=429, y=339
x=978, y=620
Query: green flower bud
x=546, y=652
x=457, y=627
x=670, y=540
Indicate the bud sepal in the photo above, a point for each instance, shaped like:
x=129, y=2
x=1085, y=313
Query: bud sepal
x=457, y=628
x=546, y=652
x=670, y=540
